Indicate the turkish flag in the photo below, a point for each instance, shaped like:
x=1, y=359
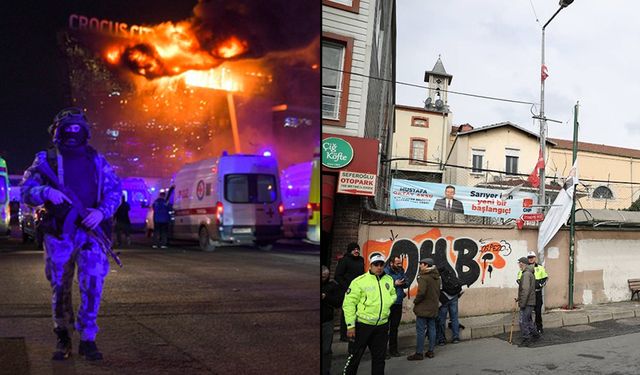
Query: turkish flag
x=543, y=73
x=534, y=179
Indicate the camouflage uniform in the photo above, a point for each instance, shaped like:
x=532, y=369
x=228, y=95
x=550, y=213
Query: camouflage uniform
x=64, y=252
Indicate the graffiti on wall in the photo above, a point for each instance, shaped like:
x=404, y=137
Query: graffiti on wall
x=471, y=260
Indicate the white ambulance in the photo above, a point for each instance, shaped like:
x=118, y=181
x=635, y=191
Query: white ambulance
x=231, y=199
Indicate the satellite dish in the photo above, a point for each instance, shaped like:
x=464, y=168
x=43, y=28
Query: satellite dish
x=439, y=103
x=427, y=102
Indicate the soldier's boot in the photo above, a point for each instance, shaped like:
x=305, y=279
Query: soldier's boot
x=63, y=347
x=89, y=350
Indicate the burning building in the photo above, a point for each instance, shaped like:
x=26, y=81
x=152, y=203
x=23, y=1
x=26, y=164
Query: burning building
x=159, y=96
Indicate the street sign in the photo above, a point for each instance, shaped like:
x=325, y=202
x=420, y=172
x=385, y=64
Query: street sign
x=533, y=217
x=336, y=153
x=357, y=183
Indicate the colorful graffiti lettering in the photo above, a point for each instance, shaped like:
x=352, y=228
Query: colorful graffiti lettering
x=466, y=257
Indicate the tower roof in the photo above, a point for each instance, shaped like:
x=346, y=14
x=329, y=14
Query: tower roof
x=438, y=71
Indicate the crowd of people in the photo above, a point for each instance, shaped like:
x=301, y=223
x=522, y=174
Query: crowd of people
x=371, y=303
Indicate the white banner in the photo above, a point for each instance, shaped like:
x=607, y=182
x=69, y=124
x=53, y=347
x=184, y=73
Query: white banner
x=559, y=211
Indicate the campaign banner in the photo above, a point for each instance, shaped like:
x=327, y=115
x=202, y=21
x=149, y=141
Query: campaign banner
x=468, y=200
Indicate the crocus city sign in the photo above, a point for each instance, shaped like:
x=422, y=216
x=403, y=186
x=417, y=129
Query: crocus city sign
x=336, y=152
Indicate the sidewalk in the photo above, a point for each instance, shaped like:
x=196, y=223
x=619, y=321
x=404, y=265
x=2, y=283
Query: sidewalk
x=495, y=324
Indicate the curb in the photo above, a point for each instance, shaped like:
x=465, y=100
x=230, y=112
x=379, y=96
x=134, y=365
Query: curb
x=491, y=325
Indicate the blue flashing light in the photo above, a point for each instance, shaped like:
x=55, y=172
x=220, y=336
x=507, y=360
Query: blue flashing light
x=153, y=189
x=266, y=153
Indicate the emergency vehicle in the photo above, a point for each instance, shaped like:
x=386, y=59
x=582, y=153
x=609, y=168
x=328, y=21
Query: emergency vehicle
x=228, y=200
x=5, y=214
x=313, y=207
x=137, y=194
x=295, y=181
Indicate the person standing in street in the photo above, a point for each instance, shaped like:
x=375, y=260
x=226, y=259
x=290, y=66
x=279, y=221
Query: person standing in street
x=330, y=299
x=350, y=266
x=526, y=302
x=123, y=223
x=367, y=304
x=161, y=218
x=67, y=179
x=426, y=308
x=449, y=295
x=395, y=270
x=541, y=277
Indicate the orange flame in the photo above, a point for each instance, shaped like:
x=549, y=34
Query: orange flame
x=231, y=47
x=113, y=56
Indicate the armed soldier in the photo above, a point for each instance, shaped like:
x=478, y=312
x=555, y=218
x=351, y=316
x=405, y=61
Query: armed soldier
x=80, y=192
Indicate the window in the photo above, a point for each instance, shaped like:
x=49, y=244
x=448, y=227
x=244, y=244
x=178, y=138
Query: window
x=418, y=150
x=512, y=155
x=603, y=192
x=336, y=65
x=250, y=188
x=348, y=5
x=477, y=160
x=422, y=122
x=512, y=165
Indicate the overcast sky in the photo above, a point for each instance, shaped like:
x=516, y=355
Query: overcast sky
x=493, y=48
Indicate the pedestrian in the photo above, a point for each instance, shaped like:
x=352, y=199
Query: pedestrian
x=395, y=270
x=350, y=266
x=330, y=299
x=161, y=218
x=123, y=223
x=526, y=302
x=83, y=173
x=541, y=277
x=426, y=308
x=366, y=307
x=449, y=295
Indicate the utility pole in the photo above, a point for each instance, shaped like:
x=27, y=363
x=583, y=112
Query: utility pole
x=572, y=235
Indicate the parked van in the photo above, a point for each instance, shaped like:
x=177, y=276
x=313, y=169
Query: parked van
x=295, y=181
x=231, y=199
x=137, y=194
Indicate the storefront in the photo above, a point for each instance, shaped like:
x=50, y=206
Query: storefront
x=349, y=172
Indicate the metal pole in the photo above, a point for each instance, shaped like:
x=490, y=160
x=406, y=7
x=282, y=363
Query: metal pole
x=543, y=120
x=572, y=241
x=543, y=126
x=234, y=122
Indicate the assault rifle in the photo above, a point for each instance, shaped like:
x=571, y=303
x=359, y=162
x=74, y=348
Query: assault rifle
x=78, y=212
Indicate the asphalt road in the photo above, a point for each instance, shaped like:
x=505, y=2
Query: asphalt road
x=608, y=347
x=236, y=310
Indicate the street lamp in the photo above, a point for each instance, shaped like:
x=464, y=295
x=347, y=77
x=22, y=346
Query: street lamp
x=543, y=120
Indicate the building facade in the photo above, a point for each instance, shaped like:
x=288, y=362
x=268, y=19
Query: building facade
x=358, y=95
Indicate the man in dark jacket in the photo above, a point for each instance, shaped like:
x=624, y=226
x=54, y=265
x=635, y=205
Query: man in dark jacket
x=330, y=299
x=161, y=220
x=123, y=223
x=426, y=307
x=350, y=266
x=395, y=270
x=527, y=301
x=451, y=291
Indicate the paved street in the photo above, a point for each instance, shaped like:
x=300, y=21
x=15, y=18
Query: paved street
x=175, y=311
x=608, y=347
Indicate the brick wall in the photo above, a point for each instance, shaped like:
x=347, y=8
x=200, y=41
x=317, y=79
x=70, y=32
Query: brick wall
x=346, y=223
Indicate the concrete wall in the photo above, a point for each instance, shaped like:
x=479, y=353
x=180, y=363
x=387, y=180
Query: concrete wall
x=486, y=260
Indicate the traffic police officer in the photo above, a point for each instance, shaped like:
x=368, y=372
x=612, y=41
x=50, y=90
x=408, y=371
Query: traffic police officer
x=541, y=280
x=367, y=304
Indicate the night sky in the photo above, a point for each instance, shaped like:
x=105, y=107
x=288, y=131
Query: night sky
x=34, y=82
